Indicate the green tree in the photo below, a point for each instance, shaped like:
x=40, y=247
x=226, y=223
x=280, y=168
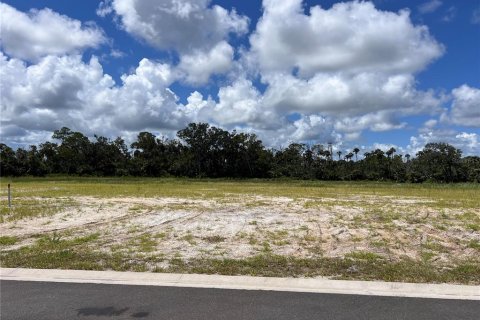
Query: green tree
x=437, y=162
x=471, y=167
x=74, y=152
x=8, y=161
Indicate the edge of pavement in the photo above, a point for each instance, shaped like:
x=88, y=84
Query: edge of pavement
x=311, y=285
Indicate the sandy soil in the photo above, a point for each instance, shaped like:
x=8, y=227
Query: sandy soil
x=239, y=227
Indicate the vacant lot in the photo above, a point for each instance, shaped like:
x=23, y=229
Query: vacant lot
x=393, y=232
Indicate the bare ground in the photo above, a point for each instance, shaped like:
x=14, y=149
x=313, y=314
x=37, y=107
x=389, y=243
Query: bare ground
x=243, y=226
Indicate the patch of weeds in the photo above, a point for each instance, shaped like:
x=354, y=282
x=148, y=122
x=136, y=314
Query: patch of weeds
x=473, y=226
x=242, y=235
x=8, y=240
x=140, y=207
x=266, y=248
x=31, y=208
x=427, y=255
x=474, y=244
x=253, y=223
x=357, y=220
x=214, y=239
x=270, y=265
x=309, y=238
x=277, y=234
x=54, y=252
x=316, y=249
x=177, y=262
x=469, y=216
x=379, y=244
x=160, y=235
x=255, y=204
x=133, y=229
x=280, y=243
x=465, y=272
x=189, y=238
x=357, y=239
x=146, y=243
x=85, y=239
x=252, y=240
x=53, y=239
x=434, y=246
x=441, y=227
x=312, y=204
x=382, y=216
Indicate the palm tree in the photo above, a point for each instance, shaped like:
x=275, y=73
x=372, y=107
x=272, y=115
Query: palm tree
x=349, y=156
x=407, y=156
x=339, y=154
x=390, y=152
x=356, y=151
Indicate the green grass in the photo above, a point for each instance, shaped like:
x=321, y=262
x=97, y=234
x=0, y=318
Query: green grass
x=8, y=241
x=144, y=243
x=474, y=244
x=446, y=195
x=28, y=208
x=189, y=238
x=338, y=268
x=214, y=239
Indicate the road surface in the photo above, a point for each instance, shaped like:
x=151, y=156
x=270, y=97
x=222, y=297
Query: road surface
x=52, y=300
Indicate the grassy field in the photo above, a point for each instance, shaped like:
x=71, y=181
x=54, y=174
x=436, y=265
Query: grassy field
x=342, y=230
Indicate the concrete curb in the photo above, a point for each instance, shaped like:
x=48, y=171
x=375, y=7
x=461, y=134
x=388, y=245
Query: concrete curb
x=317, y=285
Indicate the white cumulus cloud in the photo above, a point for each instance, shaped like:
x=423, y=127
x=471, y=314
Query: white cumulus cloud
x=348, y=37
x=194, y=29
x=465, y=109
x=199, y=65
x=341, y=64
x=38, y=33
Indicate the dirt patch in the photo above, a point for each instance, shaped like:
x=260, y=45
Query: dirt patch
x=240, y=227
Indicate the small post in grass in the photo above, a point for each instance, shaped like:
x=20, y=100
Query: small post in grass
x=9, y=197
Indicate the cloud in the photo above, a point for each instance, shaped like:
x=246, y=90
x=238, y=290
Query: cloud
x=347, y=95
x=38, y=33
x=104, y=8
x=341, y=63
x=50, y=94
x=349, y=37
x=65, y=91
x=181, y=25
x=199, y=66
x=307, y=129
x=429, y=6
x=468, y=142
x=377, y=122
x=195, y=30
x=465, y=108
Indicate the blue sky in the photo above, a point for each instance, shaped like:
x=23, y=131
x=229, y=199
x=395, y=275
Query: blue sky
x=366, y=74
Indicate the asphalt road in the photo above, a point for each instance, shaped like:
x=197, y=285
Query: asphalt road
x=51, y=301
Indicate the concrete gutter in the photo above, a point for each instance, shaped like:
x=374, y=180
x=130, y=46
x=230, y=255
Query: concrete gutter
x=314, y=285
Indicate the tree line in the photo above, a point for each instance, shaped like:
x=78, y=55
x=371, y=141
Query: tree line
x=201, y=150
